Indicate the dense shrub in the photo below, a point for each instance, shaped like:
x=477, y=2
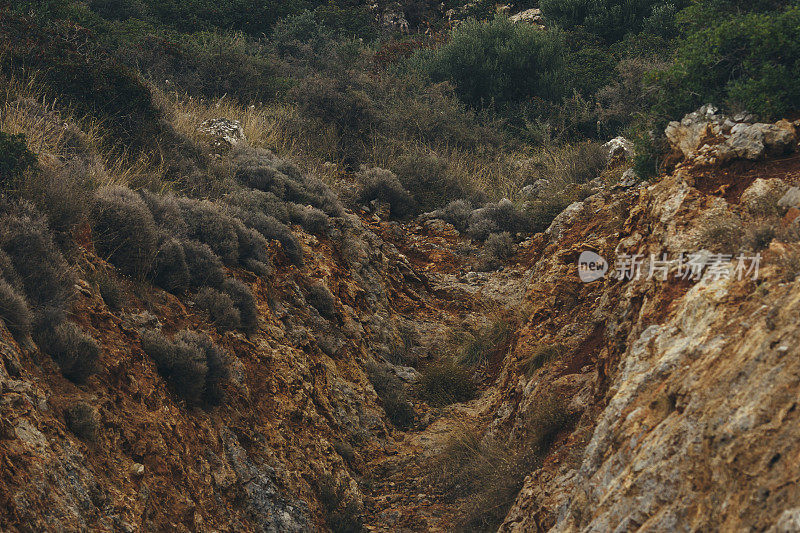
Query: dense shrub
x=75, y=352
x=63, y=194
x=124, y=231
x=14, y=310
x=192, y=364
x=219, y=307
x=382, y=185
x=270, y=228
x=393, y=396
x=445, y=383
x=424, y=175
x=14, y=158
x=183, y=365
x=456, y=213
x=170, y=268
x=167, y=213
x=497, y=218
x=205, y=268
x=83, y=421
x=39, y=266
x=207, y=223
x=497, y=62
x=216, y=363
x=243, y=300
x=613, y=19
x=497, y=248
x=310, y=218
x=344, y=105
x=744, y=61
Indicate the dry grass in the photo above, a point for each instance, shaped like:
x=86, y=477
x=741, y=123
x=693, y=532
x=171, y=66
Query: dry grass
x=56, y=135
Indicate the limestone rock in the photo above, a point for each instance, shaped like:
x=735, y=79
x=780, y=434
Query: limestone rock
x=222, y=133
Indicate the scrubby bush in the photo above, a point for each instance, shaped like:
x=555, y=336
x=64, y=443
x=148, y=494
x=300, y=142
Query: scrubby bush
x=167, y=213
x=75, y=352
x=243, y=300
x=270, y=228
x=83, y=421
x=758, y=236
x=744, y=61
x=322, y=300
x=393, y=396
x=425, y=176
x=39, y=266
x=192, y=364
x=62, y=194
x=219, y=307
x=14, y=158
x=497, y=218
x=170, y=268
x=205, y=268
x=124, y=231
x=310, y=218
x=216, y=363
x=497, y=248
x=497, y=62
x=253, y=251
x=613, y=19
x=456, y=213
x=445, y=383
x=382, y=185
x=14, y=310
x=208, y=224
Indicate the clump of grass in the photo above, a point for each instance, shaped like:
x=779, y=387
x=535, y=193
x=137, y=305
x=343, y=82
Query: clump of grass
x=486, y=473
x=541, y=356
x=110, y=290
x=446, y=383
x=322, y=300
x=476, y=349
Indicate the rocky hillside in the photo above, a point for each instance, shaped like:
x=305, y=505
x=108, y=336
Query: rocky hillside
x=659, y=400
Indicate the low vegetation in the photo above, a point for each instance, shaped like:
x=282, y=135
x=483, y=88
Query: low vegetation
x=446, y=383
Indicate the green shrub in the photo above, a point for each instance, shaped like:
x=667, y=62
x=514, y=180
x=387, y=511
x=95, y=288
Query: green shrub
x=83, y=421
x=497, y=62
x=14, y=311
x=446, y=383
x=612, y=20
x=219, y=307
x=124, y=231
x=207, y=223
x=14, y=158
x=743, y=61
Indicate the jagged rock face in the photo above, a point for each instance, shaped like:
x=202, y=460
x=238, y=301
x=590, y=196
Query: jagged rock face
x=706, y=137
x=687, y=389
